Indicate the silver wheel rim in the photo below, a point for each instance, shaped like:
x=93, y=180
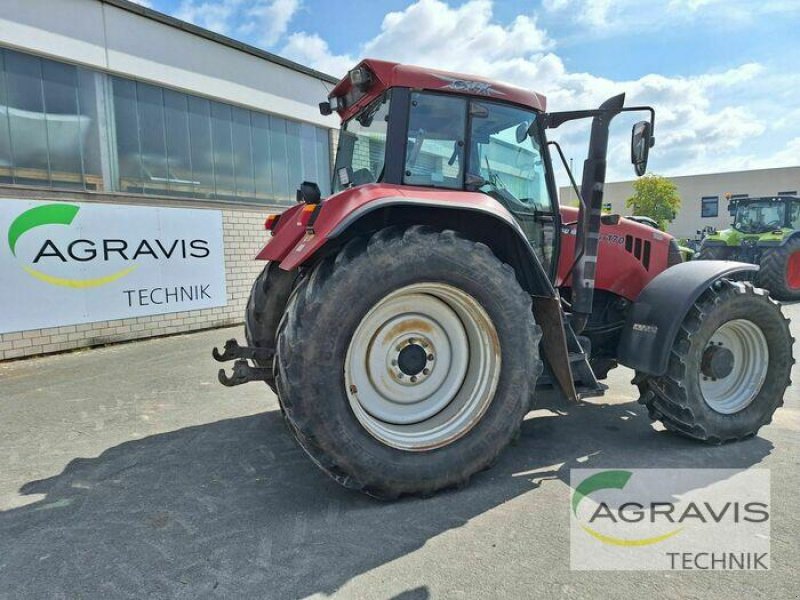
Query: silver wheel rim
x=422, y=366
x=735, y=392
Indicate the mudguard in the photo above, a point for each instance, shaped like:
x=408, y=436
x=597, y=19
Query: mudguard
x=656, y=316
x=295, y=242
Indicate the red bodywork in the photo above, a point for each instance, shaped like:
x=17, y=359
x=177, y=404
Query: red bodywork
x=630, y=254
x=292, y=245
x=389, y=74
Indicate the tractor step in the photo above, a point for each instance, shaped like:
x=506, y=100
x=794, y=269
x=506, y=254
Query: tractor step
x=242, y=371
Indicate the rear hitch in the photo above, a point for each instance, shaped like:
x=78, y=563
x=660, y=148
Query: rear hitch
x=242, y=371
x=233, y=350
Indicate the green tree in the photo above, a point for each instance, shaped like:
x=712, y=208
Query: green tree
x=655, y=197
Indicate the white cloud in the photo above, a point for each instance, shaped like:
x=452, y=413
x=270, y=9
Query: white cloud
x=213, y=15
x=264, y=20
x=273, y=18
x=611, y=17
x=310, y=49
x=145, y=3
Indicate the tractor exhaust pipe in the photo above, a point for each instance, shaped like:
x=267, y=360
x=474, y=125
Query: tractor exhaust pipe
x=588, y=226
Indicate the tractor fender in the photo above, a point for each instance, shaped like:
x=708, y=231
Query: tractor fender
x=656, y=316
x=478, y=216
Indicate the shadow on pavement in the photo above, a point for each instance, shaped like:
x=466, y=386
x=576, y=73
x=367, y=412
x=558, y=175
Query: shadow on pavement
x=234, y=507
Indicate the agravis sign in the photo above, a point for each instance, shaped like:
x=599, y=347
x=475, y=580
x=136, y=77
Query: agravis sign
x=63, y=263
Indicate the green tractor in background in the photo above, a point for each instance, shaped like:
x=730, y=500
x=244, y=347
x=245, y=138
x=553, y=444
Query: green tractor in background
x=765, y=232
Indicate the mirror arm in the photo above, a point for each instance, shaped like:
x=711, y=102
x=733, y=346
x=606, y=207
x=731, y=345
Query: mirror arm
x=586, y=234
x=556, y=119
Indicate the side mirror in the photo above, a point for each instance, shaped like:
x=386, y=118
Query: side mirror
x=522, y=131
x=309, y=193
x=641, y=141
x=732, y=209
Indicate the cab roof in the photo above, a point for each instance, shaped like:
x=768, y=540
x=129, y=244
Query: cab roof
x=390, y=74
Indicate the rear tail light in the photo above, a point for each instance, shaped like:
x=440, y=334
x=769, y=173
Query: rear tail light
x=271, y=222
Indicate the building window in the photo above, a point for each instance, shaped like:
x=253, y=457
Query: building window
x=48, y=123
x=54, y=133
x=169, y=143
x=789, y=193
x=709, y=206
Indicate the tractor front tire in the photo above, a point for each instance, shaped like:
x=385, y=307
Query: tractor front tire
x=780, y=270
x=405, y=363
x=265, y=306
x=729, y=366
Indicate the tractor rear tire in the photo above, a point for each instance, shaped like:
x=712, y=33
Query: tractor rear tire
x=695, y=400
x=457, y=318
x=713, y=253
x=780, y=270
x=265, y=307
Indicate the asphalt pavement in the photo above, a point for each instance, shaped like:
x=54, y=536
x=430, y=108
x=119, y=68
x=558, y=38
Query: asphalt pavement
x=129, y=472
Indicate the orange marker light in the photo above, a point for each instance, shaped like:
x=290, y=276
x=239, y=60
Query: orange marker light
x=270, y=222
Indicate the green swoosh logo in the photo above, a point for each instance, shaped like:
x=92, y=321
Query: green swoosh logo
x=55, y=214
x=611, y=480
x=599, y=481
x=49, y=214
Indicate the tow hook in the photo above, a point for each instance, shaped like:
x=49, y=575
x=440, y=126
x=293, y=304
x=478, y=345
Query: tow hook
x=242, y=371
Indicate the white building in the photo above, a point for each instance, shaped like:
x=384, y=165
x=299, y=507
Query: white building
x=104, y=103
x=704, y=197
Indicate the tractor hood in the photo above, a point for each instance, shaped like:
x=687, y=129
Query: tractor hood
x=733, y=237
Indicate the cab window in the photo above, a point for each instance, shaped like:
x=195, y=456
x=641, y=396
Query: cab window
x=435, y=145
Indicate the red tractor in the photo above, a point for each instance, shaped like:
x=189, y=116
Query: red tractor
x=409, y=321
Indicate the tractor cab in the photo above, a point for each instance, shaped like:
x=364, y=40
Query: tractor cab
x=765, y=214
x=451, y=141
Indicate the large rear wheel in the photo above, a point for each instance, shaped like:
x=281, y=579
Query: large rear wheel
x=780, y=270
x=405, y=363
x=729, y=366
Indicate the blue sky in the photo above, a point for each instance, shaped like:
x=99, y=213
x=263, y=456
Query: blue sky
x=722, y=74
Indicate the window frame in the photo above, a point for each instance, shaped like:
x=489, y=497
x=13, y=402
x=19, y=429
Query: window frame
x=465, y=136
x=704, y=202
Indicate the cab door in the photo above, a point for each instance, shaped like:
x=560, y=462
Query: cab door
x=507, y=162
